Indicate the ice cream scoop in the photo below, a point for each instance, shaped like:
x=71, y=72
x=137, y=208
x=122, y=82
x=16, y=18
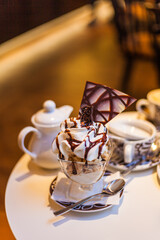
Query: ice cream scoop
x=78, y=142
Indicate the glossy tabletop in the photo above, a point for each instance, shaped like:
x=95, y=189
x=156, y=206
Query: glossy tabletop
x=30, y=210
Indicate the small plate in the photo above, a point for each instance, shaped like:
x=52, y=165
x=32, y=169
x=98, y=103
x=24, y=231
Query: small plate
x=119, y=164
x=83, y=208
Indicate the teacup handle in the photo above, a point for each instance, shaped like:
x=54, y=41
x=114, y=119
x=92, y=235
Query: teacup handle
x=128, y=153
x=140, y=106
x=21, y=138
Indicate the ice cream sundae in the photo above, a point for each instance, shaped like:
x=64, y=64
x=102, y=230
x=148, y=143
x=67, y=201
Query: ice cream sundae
x=83, y=146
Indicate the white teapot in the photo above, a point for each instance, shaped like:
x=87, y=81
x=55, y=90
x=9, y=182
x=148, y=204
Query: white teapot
x=46, y=127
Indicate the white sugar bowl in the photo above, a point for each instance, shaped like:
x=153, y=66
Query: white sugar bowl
x=46, y=127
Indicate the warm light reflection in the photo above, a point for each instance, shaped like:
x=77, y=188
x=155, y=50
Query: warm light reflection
x=154, y=146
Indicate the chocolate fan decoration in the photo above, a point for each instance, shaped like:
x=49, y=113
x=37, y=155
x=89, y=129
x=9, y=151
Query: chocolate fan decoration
x=105, y=102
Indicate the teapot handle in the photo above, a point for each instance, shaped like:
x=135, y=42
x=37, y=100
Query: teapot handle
x=21, y=138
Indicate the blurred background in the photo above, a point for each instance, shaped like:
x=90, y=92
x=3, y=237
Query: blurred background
x=49, y=49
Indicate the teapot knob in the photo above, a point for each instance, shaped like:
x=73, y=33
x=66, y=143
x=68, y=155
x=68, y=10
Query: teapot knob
x=49, y=106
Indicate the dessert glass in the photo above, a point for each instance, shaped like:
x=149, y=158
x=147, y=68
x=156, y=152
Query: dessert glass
x=86, y=173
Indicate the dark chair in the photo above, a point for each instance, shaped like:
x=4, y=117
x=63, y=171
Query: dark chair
x=153, y=10
x=135, y=36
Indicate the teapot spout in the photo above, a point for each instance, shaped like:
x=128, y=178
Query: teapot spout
x=66, y=110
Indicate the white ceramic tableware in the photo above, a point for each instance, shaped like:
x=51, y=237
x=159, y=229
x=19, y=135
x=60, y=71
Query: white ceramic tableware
x=46, y=127
x=108, y=190
x=150, y=107
x=131, y=137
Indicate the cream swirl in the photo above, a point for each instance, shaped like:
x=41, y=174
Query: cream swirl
x=81, y=143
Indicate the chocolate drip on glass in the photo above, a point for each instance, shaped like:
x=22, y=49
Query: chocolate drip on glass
x=74, y=170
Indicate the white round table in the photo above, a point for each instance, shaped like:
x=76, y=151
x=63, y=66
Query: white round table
x=30, y=211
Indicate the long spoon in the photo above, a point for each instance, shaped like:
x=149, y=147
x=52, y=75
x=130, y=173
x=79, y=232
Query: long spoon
x=109, y=189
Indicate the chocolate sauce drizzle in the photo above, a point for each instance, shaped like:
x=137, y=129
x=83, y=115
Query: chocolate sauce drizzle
x=75, y=143
x=57, y=143
x=72, y=142
x=104, y=96
x=74, y=122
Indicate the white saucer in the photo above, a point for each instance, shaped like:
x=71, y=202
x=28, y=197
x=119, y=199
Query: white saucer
x=86, y=208
x=123, y=166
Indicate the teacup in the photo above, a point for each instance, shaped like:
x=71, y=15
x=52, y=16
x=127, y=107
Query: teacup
x=131, y=138
x=150, y=107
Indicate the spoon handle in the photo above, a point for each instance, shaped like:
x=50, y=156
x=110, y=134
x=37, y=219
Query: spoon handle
x=127, y=171
x=69, y=208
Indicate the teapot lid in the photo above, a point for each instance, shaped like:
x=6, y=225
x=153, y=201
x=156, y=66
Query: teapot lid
x=50, y=115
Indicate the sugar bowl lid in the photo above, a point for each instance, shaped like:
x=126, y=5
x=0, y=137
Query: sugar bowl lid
x=50, y=115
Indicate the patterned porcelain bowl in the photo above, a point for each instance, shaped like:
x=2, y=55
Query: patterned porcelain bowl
x=124, y=139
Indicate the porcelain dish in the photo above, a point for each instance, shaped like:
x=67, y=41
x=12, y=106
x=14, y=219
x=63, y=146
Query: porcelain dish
x=150, y=161
x=87, y=208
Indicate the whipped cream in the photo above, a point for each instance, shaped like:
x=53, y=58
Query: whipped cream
x=78, y=143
